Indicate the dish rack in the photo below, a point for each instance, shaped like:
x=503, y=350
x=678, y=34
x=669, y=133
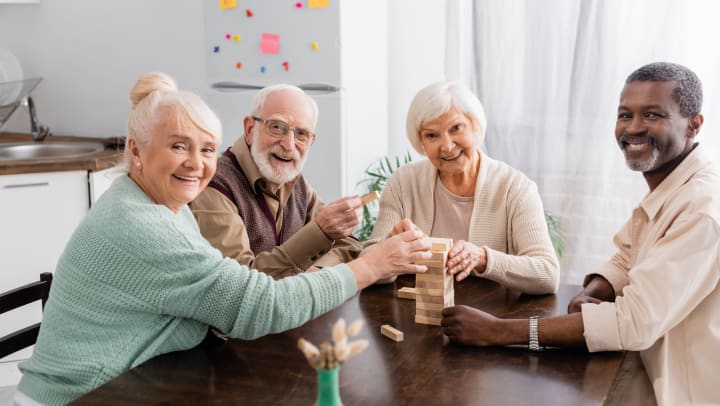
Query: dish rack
x=17, y=93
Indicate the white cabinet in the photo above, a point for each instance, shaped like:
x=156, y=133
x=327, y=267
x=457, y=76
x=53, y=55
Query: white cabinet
x=38, y=214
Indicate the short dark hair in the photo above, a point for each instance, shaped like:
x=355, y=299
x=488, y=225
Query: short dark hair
x=688, y=91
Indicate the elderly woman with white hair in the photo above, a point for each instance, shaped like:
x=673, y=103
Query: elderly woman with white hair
x=492, y=212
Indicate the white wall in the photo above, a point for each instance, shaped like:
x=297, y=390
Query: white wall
x=364, y=72
x=90, y=53
x=416, y=58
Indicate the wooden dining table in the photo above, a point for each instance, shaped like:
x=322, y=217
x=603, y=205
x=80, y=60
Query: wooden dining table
x=423, y=369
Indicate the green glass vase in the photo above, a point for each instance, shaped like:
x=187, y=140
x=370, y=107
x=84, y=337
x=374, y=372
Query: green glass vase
x=328, y=387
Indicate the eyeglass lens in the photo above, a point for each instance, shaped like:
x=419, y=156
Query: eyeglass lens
x=280, y=129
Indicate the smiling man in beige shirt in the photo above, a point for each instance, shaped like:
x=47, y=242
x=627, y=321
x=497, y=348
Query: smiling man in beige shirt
x=659, y=293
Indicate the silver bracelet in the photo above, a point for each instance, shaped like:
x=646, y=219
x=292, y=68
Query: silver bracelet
x=534, y=342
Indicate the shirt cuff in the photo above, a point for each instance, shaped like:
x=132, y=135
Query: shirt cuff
x=600, y=325
x=307, y=245
x=618, y=279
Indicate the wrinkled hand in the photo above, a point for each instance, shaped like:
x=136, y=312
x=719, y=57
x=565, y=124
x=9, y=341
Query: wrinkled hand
x=396, y=255
x=463, y=257
x=402, y=226
x=469, y=326
x=339, y=219
x=576, y=303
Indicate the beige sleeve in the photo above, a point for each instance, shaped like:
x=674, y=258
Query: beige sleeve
x=343, y=250
x=676, y=275
x=533, y=266
x=389, y=213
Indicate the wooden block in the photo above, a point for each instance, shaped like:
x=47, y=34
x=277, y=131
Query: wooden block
x=427, y=320
x=429, y=306
x=429, y=284
x=368, y=198
x=428, y=292
x=430, y=299
x=425, y=277
x=392, y=333
x=406, y=293
x=441, y=244
x=439, y=256
x=431, y=264
x=436, y=314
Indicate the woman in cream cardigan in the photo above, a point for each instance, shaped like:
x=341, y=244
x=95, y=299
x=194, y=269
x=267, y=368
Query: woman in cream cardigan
x=492, y=212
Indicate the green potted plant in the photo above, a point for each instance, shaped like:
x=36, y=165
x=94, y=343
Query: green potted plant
x=377, y=174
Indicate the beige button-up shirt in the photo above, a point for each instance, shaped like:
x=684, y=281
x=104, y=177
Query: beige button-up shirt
x=666, y=274
x=223, y=227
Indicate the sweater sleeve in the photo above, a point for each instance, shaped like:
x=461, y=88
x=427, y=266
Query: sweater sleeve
x=391, y=210
x=184, y=276
x=531, y=266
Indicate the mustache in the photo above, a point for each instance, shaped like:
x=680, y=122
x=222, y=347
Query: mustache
x=635, y=139
x=276, y=150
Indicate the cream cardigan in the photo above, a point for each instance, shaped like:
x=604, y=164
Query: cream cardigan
x=507, y=220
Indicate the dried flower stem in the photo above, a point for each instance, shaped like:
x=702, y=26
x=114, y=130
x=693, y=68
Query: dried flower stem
x=329, y=356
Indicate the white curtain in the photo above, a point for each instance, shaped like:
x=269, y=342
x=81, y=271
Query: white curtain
x=549, y=74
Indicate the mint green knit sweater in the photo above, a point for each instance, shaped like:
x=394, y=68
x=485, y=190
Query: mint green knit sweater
x=137, y=280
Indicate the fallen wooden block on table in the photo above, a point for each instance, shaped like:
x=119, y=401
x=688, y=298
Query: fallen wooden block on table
x=406, y=293
x=392, y=333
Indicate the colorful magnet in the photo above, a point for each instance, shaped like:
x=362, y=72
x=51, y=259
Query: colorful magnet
x=249, y=13
x=314, y=45
x=262, y=69
x=216, y=49
x=236, y=38
x=318, y=3
x=286, y=65
x=227, y=4
x=228, y=36
x=269, y=43
x=238, y=65
x=298, y=5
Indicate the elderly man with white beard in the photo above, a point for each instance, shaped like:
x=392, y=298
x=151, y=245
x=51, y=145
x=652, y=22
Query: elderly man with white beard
x=260, y=210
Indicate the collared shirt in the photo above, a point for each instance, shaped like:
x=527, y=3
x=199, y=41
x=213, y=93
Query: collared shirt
x=666, y=274
x=220, y=224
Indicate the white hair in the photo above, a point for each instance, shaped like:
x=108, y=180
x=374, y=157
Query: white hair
x=435, y=100
x=259, y=100
x=157, y=90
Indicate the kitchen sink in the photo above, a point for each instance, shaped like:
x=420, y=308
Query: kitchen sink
x=48, y=150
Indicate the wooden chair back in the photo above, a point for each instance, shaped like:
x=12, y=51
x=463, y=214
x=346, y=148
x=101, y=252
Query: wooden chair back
x=21, y=296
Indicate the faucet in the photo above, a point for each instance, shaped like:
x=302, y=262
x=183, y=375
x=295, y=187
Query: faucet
x=37, y=130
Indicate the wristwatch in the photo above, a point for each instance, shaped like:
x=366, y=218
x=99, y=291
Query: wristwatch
x=534, y=342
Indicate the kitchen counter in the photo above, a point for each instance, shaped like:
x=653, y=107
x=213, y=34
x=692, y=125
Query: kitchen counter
x=110, y=157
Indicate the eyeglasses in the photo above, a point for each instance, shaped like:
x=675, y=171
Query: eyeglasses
x=280, y=129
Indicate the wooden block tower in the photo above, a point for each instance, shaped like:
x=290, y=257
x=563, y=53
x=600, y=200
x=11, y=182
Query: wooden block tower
x=434, y=288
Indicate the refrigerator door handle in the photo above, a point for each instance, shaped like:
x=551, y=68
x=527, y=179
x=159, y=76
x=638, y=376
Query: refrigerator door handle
x=312, y=88
x=231, y=86
x=319, y=88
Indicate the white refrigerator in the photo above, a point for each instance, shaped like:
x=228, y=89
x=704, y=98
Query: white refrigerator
x=254, y=43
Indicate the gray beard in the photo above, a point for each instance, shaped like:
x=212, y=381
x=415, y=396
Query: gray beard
x=269, y=172
x=644, y=166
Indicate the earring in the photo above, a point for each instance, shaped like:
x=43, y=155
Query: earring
x=138, y=164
